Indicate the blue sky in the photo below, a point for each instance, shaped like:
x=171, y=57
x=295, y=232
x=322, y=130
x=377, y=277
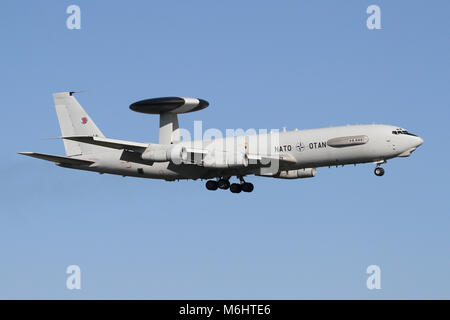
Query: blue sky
x=260, y=64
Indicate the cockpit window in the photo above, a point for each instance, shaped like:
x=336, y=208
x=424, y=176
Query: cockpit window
x=400, y=131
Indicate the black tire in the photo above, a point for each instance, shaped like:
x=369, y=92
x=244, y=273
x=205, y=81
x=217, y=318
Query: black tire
x=235, y=188
x=247, y=187
x=379, y=171
x=211, y=185
x=223, y=184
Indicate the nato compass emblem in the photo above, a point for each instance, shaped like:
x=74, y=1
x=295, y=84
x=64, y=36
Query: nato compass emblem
x=300, y=147
x=84, y=120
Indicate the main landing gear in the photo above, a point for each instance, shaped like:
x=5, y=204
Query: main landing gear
x=212, y=185
x=224, y=184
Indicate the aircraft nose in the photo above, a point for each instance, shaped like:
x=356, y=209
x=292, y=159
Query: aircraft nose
x=419, y=141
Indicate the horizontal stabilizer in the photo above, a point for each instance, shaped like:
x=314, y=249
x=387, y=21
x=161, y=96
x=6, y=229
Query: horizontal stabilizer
x=110, y=143
x=58, y=159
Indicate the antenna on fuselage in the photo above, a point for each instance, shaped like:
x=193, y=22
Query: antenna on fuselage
x=168, y=108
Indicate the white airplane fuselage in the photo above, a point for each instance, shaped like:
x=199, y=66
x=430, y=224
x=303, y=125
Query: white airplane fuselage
x=309, y=148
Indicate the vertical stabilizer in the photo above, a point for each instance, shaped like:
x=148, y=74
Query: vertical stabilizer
x=74, y=121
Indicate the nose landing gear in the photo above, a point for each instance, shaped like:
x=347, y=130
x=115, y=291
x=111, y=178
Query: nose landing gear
x=379, y=171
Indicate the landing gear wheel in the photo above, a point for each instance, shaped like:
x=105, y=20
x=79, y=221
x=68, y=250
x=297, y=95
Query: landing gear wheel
x=379, y=171
x=247, y=187
x=223, y=184
x=212, y=185
x=235, y=188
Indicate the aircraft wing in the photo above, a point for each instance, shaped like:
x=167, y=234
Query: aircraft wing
x=110, y=143
x=57, y=159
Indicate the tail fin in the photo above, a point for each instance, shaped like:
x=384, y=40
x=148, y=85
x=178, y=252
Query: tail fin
x=74, y=121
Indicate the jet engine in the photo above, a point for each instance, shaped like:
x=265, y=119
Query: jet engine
x=162, y=153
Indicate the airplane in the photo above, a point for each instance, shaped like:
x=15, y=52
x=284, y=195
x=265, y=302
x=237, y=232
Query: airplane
x=290, y=154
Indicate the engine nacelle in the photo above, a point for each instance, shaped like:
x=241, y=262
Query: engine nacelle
x=293, y=174
x=164, y=153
